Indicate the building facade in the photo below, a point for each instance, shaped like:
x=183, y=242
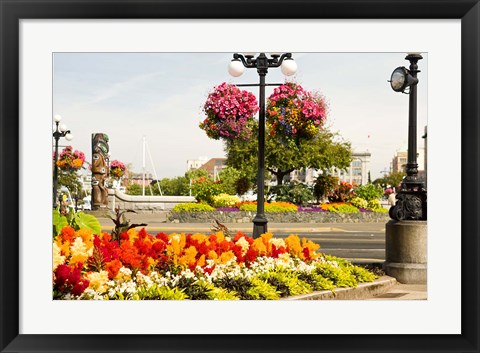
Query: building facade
x=356, y=173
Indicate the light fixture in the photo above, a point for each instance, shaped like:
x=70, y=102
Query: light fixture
x=401, y=79
x=236, y=68
x=261, y=63
x=288, y=67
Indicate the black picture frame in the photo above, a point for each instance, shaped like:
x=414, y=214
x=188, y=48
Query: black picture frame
x=12, y=11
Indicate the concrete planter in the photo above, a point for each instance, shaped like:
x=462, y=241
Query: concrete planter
x=283, y=217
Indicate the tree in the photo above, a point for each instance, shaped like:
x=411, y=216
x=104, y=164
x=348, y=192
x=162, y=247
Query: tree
x=234, y=181
x=392, y=179
x=71, y=181
x=322, y=152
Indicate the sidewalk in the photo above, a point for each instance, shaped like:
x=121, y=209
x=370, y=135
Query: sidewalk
x=403, y=292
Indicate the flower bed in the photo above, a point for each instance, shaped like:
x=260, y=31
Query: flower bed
x=279, y=212
x=141, y=266
x=233, y=216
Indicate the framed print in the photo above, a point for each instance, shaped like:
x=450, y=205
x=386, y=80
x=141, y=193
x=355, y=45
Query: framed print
x=38, y=35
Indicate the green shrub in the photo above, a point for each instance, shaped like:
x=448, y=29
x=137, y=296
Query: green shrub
x=192, y=207
x=225, y=200
x=297, y=193
x=274, y=207
x=339, y=208
x=324, y=185
x=359, y=202
x=204, y=189
x=374, y=205
x=369, y=192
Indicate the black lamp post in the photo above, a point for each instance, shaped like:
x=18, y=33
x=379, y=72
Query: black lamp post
x=412, y=198
x=60, y=131
x=262, y=63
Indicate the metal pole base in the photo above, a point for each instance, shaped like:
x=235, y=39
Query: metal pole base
x=259, y=225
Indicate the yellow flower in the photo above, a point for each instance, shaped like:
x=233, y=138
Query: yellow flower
x=259, y=246
x=77, y=163
x=79, y=252
x=312, y=247
x=98, y=281
x=212, y=255
x=189, y=257
x=201, y=261
x=58, y=259
x=293, y=245
x=86, y=235
x=220, y=236
x=132, y=235
x=64, y=246
x=199, y=237
x=226, y=256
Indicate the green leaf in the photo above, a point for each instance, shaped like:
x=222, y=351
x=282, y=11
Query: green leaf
x=59, y=222
x=88, y=221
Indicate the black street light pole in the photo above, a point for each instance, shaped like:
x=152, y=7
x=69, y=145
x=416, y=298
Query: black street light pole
x=262, y=63
x=60, y=131
x=412, y=199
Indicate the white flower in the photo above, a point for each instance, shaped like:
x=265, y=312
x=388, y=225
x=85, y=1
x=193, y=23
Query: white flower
x=244, y=244
x=58, y=259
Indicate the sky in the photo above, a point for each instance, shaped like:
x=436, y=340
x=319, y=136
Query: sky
x=159, y=97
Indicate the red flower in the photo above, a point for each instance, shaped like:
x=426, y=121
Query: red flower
x=113, y=267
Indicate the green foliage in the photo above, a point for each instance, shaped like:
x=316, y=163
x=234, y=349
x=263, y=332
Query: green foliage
x=204, y=189
x=232, y=181
x=362, y=275
x=324, y=185
x=339, y=208
x=316, y=281
x=368, y=192
x=225, y=200
x=87, y=221
x=341, y=277
x=70, y=180
x=297, y=193
x=178, y=186
x=238, y=285
x=323, y=152
x=261, y=290
x=392, y=179
x=286, y=282
x=359, y=202
x=274, y=208
x=59, y=222
x=134, y=189
x=192, y=207
x=157, y=292
x=76, y=221
x=374, y=205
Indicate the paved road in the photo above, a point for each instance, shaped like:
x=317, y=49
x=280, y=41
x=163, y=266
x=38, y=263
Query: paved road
x=357, y=242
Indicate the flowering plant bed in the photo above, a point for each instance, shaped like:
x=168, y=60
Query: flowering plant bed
x=229, y=112
x=70, y=160
x=293, y=112
x=141, y=266
x=117, y=169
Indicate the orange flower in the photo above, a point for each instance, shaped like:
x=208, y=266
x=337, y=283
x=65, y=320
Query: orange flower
x=293, y=246
x=113, y=267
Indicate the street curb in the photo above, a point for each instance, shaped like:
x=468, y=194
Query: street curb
x=363, y=291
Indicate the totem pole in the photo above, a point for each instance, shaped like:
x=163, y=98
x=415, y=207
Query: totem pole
x=100, y=170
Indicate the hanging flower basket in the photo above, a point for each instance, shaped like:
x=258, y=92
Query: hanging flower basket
x=230, y=113
x=70, y=160
x=117, y=169
x=294, y=113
